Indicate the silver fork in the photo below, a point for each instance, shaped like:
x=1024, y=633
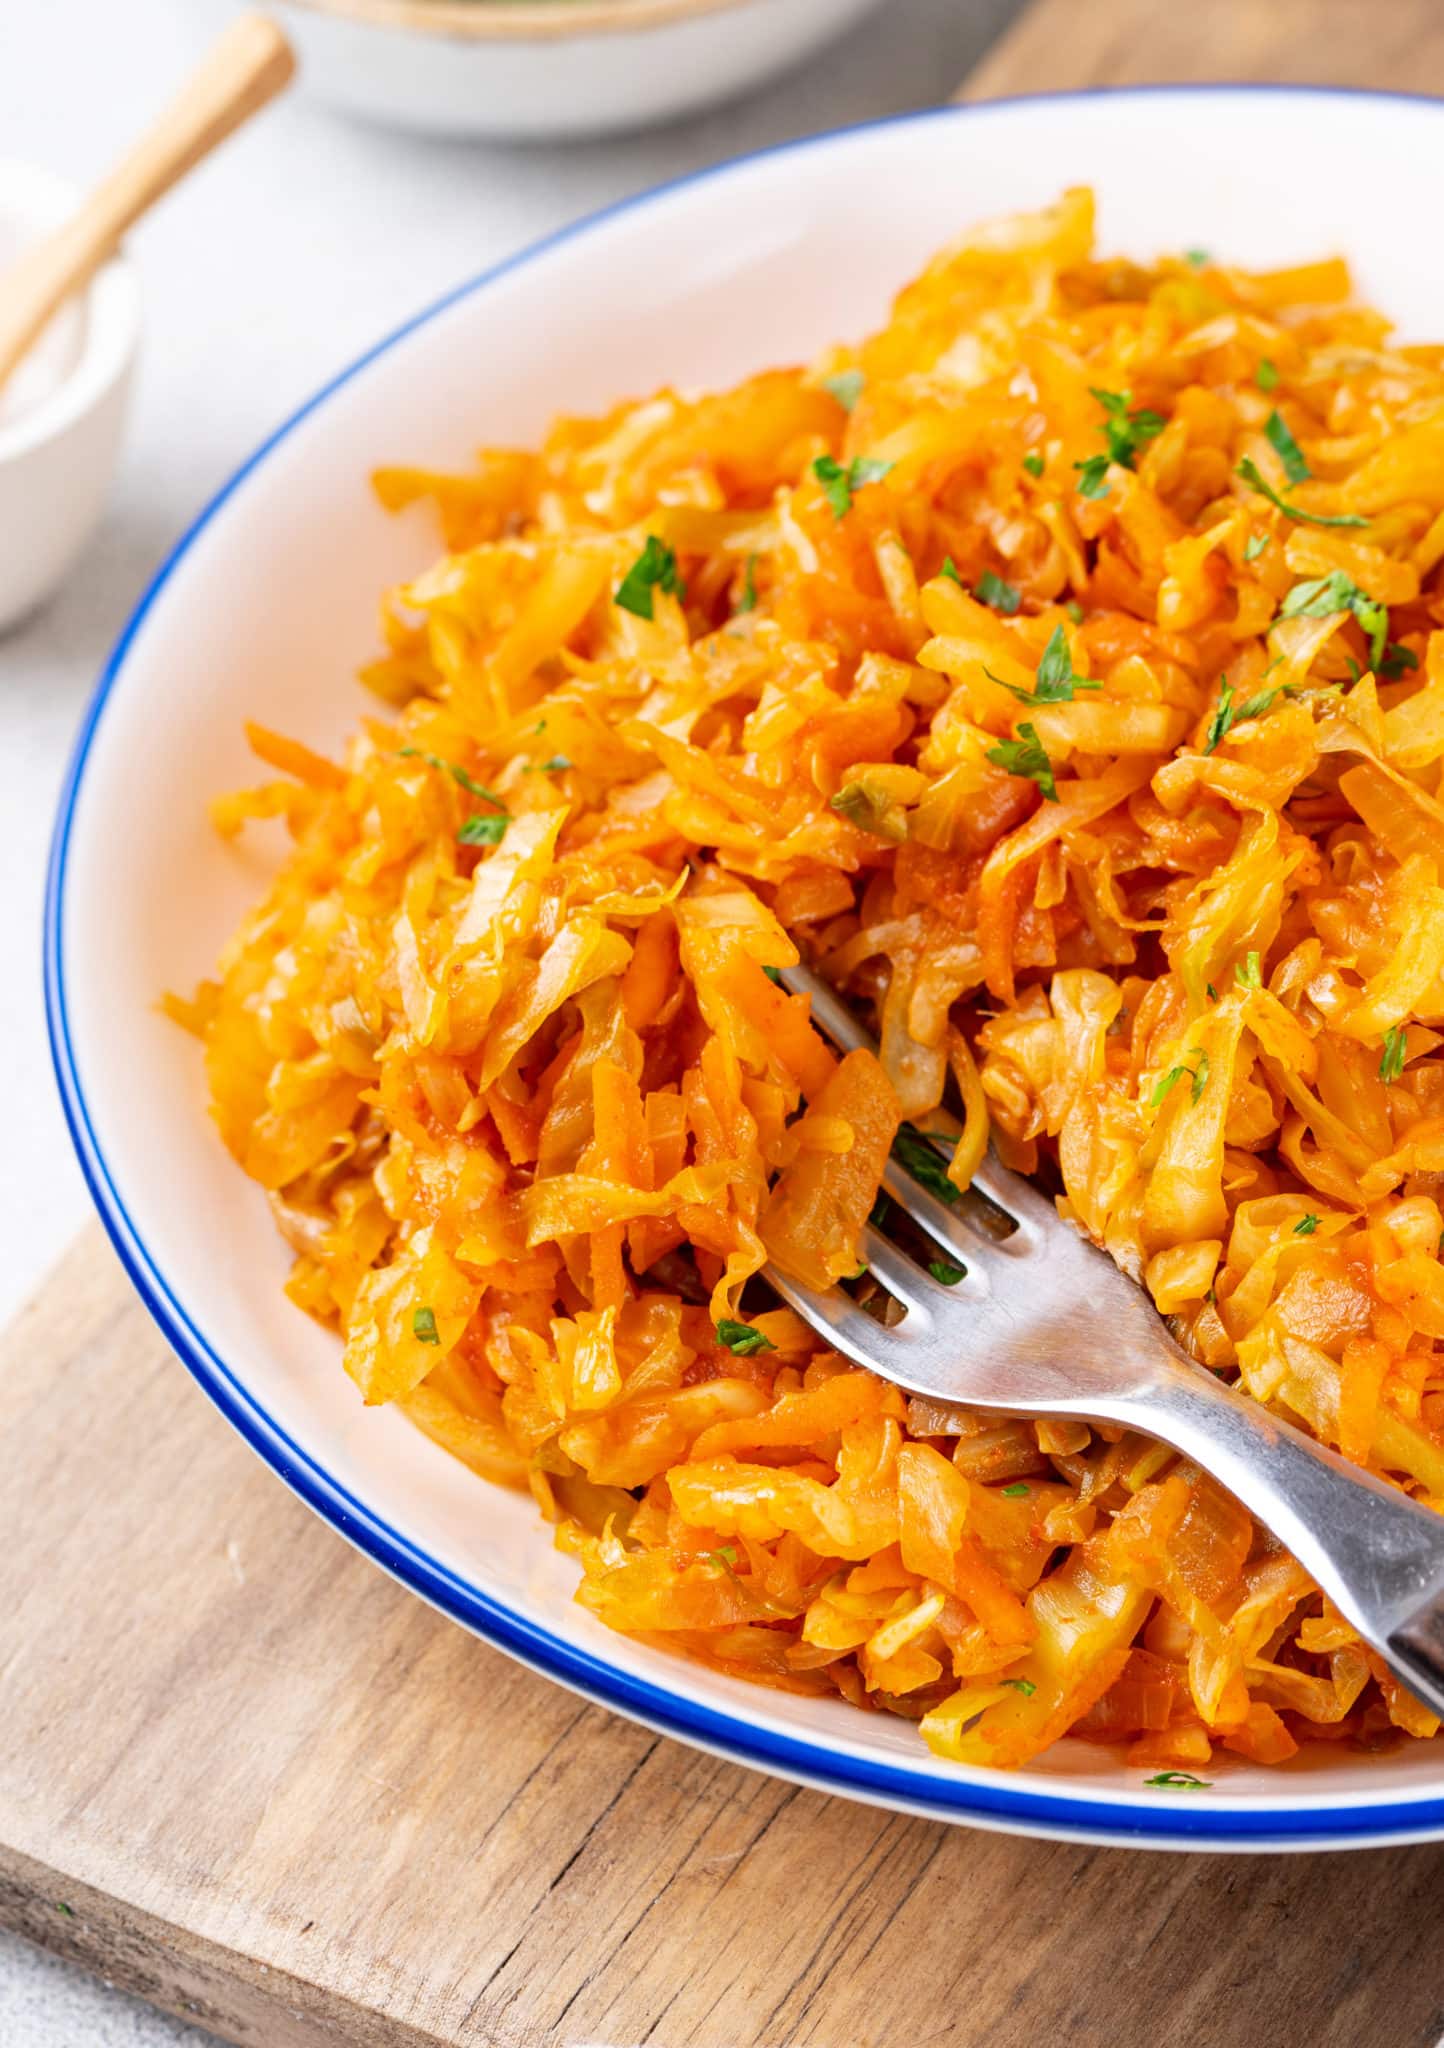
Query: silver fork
x=1043, y=1322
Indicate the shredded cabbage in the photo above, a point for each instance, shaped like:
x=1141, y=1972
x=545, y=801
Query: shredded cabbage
x=1072, y=697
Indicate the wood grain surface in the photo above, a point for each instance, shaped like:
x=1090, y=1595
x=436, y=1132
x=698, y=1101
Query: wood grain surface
x=245, y=1775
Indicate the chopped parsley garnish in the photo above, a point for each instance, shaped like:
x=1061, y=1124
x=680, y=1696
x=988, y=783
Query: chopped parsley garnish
x=1179, y=1781
x=748, y=600
x=1324, y=595
x=1028, y=757
x=912, y=1151
x=725, y=1559
x=1396, y=660
x=741, y=1339
x=1266, y=376
x=1023, y=1685
x=1229, y=714
x=774, y=974
x=1212, y=991
x=1056, y=681
x=654, y=569
x=1074, y=611
x=950, y=570
x=1198, y=1075
x=1255, y=545
x=1249, y=974
x=1391, y=1063
x=556, y=764
x=1287, y=449
x=423, y=1326
x=1033, y=464
x=1125, y=433
x=482, y=828
x=944, y=1271
x=1306, y=1225
x=468, y=783
x=1253, y=476
x=846, y=387
x=1002, y=597
x=839, y=482
x=1017, y=1490
x=878, y=1214
x=1196, y=258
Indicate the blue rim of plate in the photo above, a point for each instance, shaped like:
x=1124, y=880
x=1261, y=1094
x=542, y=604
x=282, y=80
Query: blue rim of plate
x=1004, y=1803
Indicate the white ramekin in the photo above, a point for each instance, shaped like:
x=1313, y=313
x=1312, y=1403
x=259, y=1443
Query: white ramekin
x=57, y=457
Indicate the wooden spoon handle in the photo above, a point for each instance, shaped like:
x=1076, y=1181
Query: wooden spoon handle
x=245, y=68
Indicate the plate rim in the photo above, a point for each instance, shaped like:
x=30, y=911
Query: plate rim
x=1001, y=1801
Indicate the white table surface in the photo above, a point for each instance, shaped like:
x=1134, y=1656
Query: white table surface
x=301, y=243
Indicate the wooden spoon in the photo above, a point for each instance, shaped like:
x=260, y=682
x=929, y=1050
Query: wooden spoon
x=246, y=67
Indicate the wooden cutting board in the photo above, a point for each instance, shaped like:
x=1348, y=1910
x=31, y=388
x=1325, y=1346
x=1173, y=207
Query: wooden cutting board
x=245, y=1775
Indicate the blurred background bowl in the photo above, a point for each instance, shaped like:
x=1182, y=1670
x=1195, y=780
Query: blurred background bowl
x=528, y=70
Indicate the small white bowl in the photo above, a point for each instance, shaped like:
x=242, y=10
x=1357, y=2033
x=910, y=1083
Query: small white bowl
x=57, y=453
x=525, y=70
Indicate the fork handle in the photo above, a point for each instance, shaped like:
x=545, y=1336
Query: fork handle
x=1378, y=1555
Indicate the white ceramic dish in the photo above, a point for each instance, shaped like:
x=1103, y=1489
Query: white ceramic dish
x=526, y=70
x=757, y=263
x=58, y=453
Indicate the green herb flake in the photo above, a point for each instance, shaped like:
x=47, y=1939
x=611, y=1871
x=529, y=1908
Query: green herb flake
x=482, y=828
x=1396, y=661
x=62, y=1907
x=1250, y=973
x=556, y=764
x=944, y=1271
x=993, y=591
x=654, y=569
x=774, y=975
x=839, y=483
x=950, y=570
x=1017, y=1490
x=913, y=1152
x=1266, y=376
x=725, y=1559
x=1255, y=546
x=459, y=775
x=1075, y=613
x=741, y=1339
x=1325, y=595
x=1027, y=756
x=1287, y=449
x=1249, y=470
x=880, y=1211
x=1196, y=259
x=1197, y=1074
x=1221, y=720
x=846, y=387
x=1306, y=1225
x=1125, y=432
x=1391, y=1062
x=1212, y=991
x=1033, y=464
x=423, y=1326
x=1023, y=1685
x=1179, y=1781
x=1093, y=477
x=748, y=600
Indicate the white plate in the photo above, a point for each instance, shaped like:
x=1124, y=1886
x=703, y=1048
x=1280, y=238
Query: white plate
x=268, y=605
